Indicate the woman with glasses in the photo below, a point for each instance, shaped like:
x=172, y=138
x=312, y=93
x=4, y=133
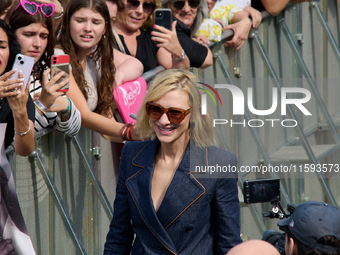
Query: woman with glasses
x=86, y=36
x=160, y=47
x=161, y=198
x=32, y=25
x=189, y=15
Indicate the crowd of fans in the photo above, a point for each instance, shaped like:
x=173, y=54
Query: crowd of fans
x=124, y=43
x=111, y=42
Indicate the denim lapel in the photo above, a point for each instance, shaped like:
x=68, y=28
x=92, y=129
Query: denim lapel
x=139, y=186
x=183, y=191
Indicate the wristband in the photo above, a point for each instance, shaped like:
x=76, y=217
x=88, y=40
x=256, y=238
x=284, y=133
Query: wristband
x=125, y=132
x=181, y=57
x=41, y=106
x=68, y=109
x=25, y=133
x=129, y=133
x=61, y=14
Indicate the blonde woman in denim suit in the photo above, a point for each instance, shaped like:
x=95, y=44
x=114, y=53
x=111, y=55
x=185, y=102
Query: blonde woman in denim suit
x=170, y=208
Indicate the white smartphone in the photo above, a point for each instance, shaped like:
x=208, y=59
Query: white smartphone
x=25, y=64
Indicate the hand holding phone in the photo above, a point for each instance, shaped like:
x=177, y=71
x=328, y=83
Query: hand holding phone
x=25, y=64
x=60, y=63
x=163, y=17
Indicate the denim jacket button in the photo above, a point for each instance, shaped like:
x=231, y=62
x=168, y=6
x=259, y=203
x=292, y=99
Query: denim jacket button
x=190, y=227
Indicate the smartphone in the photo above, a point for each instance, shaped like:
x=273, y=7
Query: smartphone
x=163, y=17
x=25, y=64
x=61, y=63
x=260, y=191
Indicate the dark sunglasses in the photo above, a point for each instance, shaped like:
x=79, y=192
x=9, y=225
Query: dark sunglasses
x=148, y=7
x=180, y=4
x=175, y=115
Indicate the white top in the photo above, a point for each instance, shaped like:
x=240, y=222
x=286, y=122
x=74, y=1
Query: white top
x=238, y=3
x=91, y=77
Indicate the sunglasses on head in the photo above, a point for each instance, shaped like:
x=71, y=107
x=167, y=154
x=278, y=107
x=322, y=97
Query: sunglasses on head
x=148, y=7
x=175, y=115
x=32, y=8
x=180, y=4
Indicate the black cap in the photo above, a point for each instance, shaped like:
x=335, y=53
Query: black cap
x=312, y=220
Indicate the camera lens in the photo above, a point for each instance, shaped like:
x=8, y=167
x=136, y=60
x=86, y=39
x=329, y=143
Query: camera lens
x=55, y=58
x=19, y=58
x=22, y=62
x=54, y=62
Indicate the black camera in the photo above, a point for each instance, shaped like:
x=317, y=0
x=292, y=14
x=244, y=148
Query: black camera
x=260, y=191
x=268, y=190
x=275, y=238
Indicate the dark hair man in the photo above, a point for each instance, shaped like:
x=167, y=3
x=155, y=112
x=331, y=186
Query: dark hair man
x=313, y=229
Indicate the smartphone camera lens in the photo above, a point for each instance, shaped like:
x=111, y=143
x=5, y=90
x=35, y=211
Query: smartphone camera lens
x=19, y=58
x=54, y=62
x=22, y=62
x=159, y=14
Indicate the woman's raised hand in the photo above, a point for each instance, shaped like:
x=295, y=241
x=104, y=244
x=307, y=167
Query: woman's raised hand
x=167, y=39
x=8, y=87
x=18, y=100
x=49, y=91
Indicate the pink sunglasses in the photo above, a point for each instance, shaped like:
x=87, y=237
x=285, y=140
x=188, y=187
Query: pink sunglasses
x=32, y=8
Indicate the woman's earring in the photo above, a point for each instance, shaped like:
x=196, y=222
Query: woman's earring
x=104, y=36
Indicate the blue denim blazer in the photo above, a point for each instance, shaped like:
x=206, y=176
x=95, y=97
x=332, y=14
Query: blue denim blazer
x=199, y=214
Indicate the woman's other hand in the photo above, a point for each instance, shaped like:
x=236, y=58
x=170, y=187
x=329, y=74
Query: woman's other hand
x=254, y=14
x=8, y=87
x=201, y=39
x=171, y=56
x=241, y=30
x=167, y=39
x=18, y=100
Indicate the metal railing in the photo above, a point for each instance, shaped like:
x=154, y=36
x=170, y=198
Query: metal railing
x=264, y=152
x=67, y=186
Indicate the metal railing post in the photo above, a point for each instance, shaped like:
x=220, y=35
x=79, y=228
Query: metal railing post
x=94, y=179
x=59, y=203
x=302, y=137
x=315, y=5
x=309, y=79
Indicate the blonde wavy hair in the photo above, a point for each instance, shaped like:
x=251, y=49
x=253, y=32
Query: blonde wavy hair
x=202, y=131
